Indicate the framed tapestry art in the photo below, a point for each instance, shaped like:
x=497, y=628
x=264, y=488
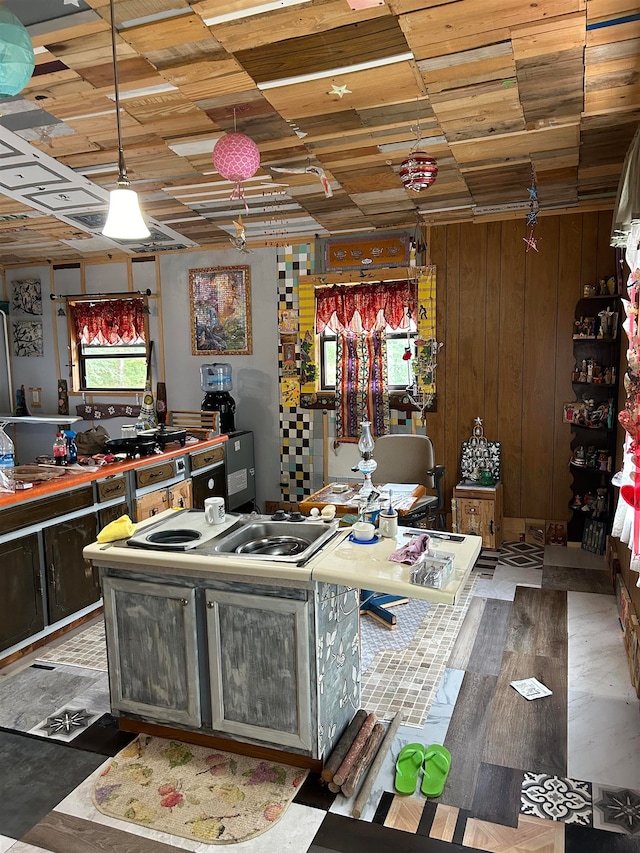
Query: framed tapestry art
x=220, y=302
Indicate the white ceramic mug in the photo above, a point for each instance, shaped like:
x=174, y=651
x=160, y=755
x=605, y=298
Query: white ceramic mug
x=388, y=522
x=214, y=512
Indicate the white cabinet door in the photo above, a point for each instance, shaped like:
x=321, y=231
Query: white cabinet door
x=152, y=650
x=259, y=671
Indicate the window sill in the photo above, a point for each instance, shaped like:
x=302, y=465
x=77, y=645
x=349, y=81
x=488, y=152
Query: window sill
x=398, y=400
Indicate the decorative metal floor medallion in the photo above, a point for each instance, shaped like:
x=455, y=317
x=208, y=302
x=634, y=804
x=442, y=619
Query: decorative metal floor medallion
x=67, y=721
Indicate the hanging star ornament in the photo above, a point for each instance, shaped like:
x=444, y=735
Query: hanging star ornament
x=532, y=217
x=531, y=241
x=340, y=91
x=533, y=192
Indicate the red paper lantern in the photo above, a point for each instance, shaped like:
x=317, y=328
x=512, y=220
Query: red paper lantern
x=236, y=157
x=418, y=171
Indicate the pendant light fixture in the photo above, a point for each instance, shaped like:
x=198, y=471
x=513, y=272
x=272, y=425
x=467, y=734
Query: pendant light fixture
x=124, y=220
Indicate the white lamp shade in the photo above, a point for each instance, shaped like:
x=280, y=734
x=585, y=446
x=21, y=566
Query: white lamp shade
x=124, y=220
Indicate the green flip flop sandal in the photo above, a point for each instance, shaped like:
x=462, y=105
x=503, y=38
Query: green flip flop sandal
x=435, y=769
x=408, y=765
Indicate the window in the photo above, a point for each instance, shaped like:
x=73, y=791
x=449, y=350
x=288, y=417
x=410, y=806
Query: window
x=109, y=343
x=388, y=307
x=399, y=372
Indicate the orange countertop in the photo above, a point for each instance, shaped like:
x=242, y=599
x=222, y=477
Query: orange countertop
x=70, y=481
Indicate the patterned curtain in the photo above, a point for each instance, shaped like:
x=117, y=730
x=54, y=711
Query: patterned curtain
x=109, y=322
x=361, y=384
x=336, y=306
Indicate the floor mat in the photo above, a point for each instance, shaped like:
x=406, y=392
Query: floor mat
x=195, y=792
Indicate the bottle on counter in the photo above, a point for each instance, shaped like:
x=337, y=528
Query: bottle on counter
x=72, y=449
x=60, y=456
x=7, y=463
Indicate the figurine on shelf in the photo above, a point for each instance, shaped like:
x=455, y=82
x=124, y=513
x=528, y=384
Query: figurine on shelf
x=606, y=323
x=603, y=460
x=592, y=457
x=600, y=504
x=578, y=456
x=577, y=502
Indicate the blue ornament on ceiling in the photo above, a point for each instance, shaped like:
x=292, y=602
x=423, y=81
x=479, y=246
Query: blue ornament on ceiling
x=16, y=55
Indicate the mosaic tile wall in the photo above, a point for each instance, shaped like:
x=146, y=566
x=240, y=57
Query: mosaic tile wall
x=296, y=425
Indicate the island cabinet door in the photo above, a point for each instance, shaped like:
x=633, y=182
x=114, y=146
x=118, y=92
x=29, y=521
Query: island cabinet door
x=259, y=667
x=152, y=650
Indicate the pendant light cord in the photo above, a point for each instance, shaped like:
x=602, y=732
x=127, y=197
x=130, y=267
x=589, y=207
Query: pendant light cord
x=122, y=169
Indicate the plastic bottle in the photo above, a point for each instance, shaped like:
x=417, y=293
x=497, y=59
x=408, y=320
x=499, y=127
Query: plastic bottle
x=7, y=463
x=72, y=449
x=60, y=449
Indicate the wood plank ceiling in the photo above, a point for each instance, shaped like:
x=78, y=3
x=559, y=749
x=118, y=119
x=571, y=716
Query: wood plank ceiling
x=492, y=90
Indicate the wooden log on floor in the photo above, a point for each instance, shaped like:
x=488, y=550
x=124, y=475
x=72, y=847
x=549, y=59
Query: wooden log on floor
x=335, y=789
x=365, y=792
x=356, y=748
x=342, y=747
x=363, y=761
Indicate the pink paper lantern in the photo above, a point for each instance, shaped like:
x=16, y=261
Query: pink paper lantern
x=236, y=157
x=418, y=171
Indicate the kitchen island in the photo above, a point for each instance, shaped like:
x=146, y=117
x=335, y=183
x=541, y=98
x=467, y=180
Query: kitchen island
x=230, y=647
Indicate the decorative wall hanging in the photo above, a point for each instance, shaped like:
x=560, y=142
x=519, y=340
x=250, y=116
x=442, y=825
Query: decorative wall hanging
x=102, y=411
x=26, y=296
x=289, y=366
x=421, y=389
x=288, y=322
x=63, y=397
x=308, y=366
x=290, y=391
x=532, y=217
x=17, y=60
x=237, y=158
x=240, y=240
x=220, y=311
x=27, y=338
x=380, y=250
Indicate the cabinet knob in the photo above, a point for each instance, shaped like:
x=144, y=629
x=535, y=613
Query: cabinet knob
x=184, y=601
x=210, y=605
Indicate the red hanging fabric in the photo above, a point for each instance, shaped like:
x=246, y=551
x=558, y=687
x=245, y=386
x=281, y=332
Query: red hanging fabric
x=393, y=299
x=109, y=322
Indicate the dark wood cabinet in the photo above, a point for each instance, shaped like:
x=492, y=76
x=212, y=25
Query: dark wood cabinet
x=593, y=419
x=21, y=610
x=71, y=582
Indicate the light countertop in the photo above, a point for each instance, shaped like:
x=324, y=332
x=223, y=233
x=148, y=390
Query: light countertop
x=340, y=561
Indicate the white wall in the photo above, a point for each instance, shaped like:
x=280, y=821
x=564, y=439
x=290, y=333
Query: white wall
x=255, y=376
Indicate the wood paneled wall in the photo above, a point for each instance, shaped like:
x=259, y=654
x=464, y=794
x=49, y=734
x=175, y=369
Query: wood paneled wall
x=506, y=319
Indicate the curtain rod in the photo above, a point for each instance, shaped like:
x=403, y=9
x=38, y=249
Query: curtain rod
x=89, y=296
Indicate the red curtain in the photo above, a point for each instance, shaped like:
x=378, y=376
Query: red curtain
x=109, y=322
x=393, y=299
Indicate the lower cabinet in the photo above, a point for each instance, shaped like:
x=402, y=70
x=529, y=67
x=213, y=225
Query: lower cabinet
x=72, y=583
x=152, y=650
x=249, y=660
x=259, y=667
x=477, y=510
x=21, y=610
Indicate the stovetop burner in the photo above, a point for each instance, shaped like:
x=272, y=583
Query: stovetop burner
x=182, y=530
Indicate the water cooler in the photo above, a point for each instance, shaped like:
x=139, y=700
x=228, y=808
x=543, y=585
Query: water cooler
x=215, y=381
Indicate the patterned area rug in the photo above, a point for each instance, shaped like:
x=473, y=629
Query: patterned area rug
x=86, y=649
x=195, y=792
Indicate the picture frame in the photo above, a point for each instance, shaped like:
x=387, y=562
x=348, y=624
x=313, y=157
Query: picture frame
x=220, y=303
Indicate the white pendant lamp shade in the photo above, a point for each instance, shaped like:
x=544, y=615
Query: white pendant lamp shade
x=124, y=220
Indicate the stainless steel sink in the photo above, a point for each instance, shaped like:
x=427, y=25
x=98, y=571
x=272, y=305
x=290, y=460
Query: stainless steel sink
x=283, y=541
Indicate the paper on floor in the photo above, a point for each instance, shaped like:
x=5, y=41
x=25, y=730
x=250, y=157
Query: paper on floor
x=531, y=688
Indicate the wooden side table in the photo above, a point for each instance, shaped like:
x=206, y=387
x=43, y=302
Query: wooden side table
x=478, y=510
